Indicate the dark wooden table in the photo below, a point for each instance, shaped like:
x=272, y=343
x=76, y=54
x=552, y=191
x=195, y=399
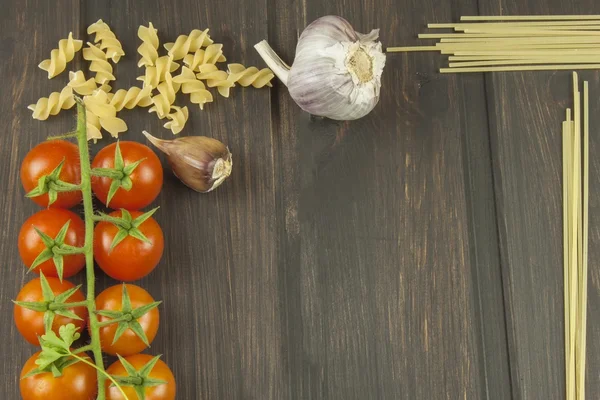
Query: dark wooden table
x=413, y=254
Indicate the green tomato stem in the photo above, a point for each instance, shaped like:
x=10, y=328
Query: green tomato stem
x=126, y=317
x=88, y=210
x=67, y=135
x=103, y=373
x=66, y=306
x=83, y=349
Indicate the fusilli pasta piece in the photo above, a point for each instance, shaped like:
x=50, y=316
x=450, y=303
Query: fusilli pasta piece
x=52, y=104
x=165, y=97
x=82, y=86
x=250, y=76
x=155, y=75
x=215, y=78
x=92, y=124
x=99, y=65
x=192, y=86
x=177, y=119
x=188, y=43
x=60, y=57
x=212, y=55
x=133, y=97
x=149, y=47
x=108, y=41
x=99, y=105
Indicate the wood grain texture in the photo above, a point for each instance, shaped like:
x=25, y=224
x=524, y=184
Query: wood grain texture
x=413, y=254
x=526, y=111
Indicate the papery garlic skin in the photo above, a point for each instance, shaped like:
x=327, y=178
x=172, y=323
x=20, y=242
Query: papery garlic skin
x=201, y=163
x=336, y=72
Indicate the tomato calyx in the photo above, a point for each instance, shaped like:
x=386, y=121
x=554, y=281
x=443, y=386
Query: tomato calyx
x=128, y=226
x=56, y=354
x=55, y=249
x=127, y=317
x=120, y=174
x=138, y=379
x=52, y=304
x=52, y=184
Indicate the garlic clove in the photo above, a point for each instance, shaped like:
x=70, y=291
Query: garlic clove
x=201, y=163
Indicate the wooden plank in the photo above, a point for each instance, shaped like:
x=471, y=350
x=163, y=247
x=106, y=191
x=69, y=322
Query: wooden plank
x=29, y=30
x=382, y=273
x=220, y=328
x=526, y=110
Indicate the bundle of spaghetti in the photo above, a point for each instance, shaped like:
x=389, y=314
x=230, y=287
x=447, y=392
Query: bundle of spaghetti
x=575, y=239
x=516, y=43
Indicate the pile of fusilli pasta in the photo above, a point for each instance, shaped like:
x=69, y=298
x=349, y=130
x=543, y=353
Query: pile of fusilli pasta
x=160, y=82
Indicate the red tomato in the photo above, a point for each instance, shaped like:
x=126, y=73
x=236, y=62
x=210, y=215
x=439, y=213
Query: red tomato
x=42, y=160
x=50, y=222
x=131, y=259
x=77, y=382
x=129, y=343
x=147, y=178
x=31, y=323
x=160, y=371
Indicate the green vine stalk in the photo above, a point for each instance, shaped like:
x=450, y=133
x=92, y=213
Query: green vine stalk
x=88, y=210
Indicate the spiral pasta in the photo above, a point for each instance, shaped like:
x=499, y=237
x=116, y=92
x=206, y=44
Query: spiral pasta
x=60, y=57
x=192, y=86
x=216, y=78
x=188, y=43
x=130, y=98
x=250, y=76
x=155, y=75
x=107, y=39
x=149, y=47
x=211, y=55
x=52, y=104
x=177, y=119
x=82, y=86
x=92, y=125
x=165, y=97
x=98, y=105
x=98, y=64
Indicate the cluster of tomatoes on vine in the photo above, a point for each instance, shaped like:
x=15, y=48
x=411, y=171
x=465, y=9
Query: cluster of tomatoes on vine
x=128, y=244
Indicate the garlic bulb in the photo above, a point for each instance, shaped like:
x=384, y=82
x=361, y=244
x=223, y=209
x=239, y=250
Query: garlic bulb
x=336, y=72
x=199, y=162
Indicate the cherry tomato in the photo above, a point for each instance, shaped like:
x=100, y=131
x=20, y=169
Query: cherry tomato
x=129, y=343
x=31, y=323
x=77, y=382
x=132, y=258
x=146, y=179
x=50, y=221
x=160, y=371
x=42, y=160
